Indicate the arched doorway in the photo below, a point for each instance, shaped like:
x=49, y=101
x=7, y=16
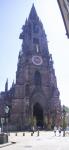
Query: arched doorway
x=38, y=114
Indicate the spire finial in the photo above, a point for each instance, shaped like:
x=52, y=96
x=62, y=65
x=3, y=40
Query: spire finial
x=6, y=85
x=33, y=13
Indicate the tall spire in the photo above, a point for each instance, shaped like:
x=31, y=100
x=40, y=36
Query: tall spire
x=33, y=35
x=33, y=14
x=6, y=86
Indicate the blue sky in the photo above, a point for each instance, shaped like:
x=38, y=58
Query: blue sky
x=13, y=14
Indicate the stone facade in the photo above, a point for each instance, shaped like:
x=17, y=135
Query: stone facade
x=35, y=93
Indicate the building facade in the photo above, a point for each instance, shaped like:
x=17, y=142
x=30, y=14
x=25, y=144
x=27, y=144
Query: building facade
x=64, y=8
x=34, y=98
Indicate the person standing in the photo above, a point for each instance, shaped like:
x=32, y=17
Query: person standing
x=0, y=130
x=33, y=129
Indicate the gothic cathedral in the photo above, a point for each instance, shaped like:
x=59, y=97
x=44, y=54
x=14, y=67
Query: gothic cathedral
x=34, y=98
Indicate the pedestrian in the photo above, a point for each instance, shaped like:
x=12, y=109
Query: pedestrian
x=38, y=131
x=55, y=129
x=59, y=130
x=33, y=129
x=0, y=130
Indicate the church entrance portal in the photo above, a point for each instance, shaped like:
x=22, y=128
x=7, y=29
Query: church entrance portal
x=38, y=114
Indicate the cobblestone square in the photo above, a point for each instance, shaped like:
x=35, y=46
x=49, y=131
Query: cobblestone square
x=45, y=141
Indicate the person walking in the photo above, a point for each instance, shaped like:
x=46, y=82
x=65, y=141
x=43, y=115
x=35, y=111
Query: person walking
x=59, y=130
x=55, y=129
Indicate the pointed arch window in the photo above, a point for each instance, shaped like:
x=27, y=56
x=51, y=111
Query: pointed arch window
x=37, y=78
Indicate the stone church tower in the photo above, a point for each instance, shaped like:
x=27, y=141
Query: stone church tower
x=36, y=96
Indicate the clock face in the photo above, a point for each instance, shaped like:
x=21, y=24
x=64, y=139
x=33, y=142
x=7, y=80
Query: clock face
x=37, y=60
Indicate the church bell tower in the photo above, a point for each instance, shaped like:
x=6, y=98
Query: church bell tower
x=36, y=93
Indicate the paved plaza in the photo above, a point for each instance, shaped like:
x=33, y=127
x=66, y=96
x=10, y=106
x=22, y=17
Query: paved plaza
x=45, y=141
